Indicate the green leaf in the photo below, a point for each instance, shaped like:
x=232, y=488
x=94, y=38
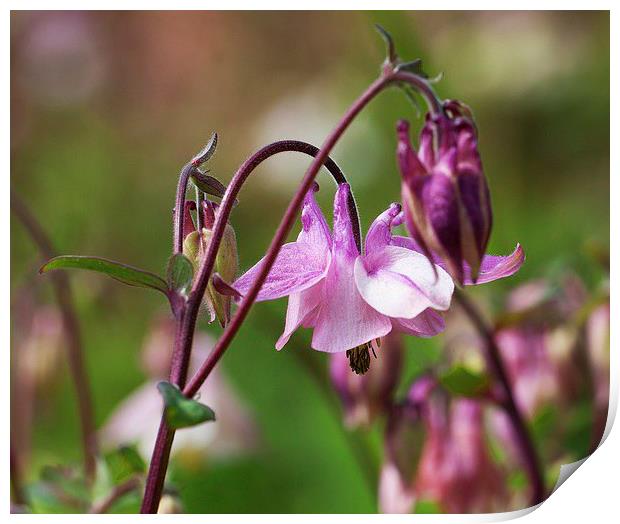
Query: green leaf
x=208, y=184
x=206, y=152
x=415, y=67
x=464, y=382
x=180, y=411
x=180, y=273
x=121, y=272
x=123, y=463
x=389, y=44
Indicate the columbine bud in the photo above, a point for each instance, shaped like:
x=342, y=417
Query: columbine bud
x=226, y=265
x=195, y=247
x=366, y=396
x=444, y=191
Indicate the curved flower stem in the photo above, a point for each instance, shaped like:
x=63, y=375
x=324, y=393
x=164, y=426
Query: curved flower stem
x=526, y=446
x=72, y=332
x=179, y=204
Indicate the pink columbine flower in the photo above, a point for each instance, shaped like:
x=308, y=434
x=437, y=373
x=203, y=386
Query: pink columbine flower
x=348, y=298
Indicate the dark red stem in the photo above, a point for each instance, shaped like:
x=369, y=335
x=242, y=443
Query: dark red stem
x=507, y=402
x=72, y=331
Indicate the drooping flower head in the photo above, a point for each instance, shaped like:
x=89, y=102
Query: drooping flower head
x=444, y=191
x=350, y=298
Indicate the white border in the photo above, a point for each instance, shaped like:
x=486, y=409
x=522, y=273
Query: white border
x=592, y=494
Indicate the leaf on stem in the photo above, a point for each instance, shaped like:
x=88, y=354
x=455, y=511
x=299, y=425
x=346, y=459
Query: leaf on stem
x=392, y=57
x=464, y=382
x=208, y=184
x=206, y=152
x=414, y=66
x=180, y=273
x=180, y=411
x=123, y=463
x=129, y=275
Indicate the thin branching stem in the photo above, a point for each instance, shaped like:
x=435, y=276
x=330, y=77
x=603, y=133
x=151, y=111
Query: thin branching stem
x=527, y=449
x=118, y=492
x=72, y=332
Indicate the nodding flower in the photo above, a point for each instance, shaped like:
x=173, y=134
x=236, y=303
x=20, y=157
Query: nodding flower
x=349, y=298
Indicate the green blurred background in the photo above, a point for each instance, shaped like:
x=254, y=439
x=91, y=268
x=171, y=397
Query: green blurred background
x=106, y=108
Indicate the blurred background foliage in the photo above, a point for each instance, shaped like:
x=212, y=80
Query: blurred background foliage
x=106, y=108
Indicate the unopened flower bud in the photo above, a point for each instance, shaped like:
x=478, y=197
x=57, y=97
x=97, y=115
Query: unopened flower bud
x=366, y=396
x=445, y=195
x=226, y=265
x=195, y=247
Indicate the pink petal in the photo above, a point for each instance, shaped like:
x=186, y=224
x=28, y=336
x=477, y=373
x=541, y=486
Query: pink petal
x=344, y=319
x=315, y=230
x=380, y=231
x=300, y=311
x=494, y=267
x=427, y=147
x=413, y=245
x=343, y=240
x=297, y=267
x=300, y=264
x=401, y=283
x=427, y=324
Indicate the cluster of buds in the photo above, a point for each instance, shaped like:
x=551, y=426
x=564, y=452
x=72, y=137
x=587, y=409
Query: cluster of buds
x=445, y=195
x=195, y=246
